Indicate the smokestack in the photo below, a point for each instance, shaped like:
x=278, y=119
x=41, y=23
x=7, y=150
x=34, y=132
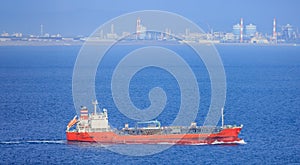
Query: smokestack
x=242, y=29
x=138, y=27
x=274, y=30
x=42, y=30
x=112, y=29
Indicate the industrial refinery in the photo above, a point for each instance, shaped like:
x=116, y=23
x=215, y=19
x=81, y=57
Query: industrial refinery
x=241, y=33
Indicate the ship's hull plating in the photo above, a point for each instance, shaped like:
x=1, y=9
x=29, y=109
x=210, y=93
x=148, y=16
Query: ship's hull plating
x=227, y=135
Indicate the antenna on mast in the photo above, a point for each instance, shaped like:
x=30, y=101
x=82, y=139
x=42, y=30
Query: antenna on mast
x=95, y=103
x=222, y=116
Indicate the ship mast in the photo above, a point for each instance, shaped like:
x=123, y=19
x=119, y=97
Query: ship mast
x=95, y=103
x=222, y=117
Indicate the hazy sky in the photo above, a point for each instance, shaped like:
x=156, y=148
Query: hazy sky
x=74, y=17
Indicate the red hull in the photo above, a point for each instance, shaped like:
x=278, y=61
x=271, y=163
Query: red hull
x=227, y=135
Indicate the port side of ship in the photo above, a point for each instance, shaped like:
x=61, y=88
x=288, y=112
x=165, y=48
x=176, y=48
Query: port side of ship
x=94, y=127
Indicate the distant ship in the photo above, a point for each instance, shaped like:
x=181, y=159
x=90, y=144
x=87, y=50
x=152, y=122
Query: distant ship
x=94, y=127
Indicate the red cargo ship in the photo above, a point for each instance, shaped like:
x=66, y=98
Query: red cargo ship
x=94, y=127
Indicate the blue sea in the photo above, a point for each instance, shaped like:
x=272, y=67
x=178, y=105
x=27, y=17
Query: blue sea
x=36, y=103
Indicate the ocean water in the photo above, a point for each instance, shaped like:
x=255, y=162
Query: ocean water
x=36, y=103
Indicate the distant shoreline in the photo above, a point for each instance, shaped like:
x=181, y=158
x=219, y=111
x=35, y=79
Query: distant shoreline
x=80, y=43
x=41, y=43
